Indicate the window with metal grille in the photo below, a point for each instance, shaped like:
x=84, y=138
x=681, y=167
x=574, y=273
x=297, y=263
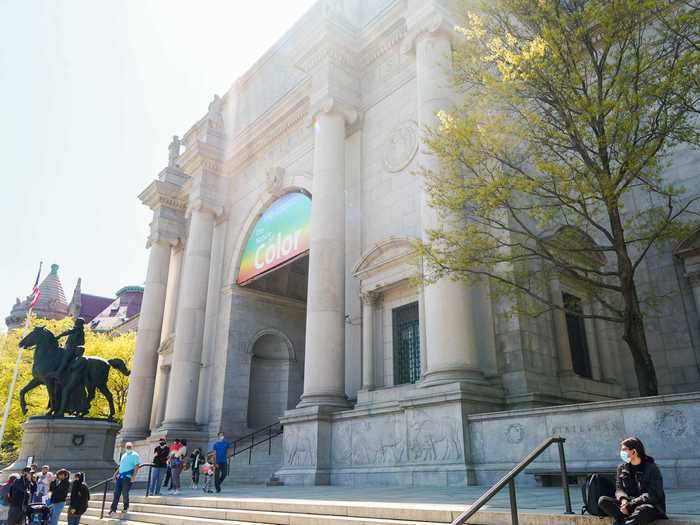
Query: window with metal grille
x=576, y=327
x=406, y=344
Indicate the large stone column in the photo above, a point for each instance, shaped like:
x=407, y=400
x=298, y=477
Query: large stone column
x=172, y=292
x=187, y=351
x=142, y=380
x=162, y=395
x=450, y=327
x=369, y=301
x=324, y=362
x=166, y=231
x=210, y=321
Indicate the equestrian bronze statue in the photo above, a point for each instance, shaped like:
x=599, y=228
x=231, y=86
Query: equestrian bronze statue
x=71, y=379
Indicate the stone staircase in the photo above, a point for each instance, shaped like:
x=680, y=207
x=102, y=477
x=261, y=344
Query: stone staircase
x=170, y=510
x=262, y=465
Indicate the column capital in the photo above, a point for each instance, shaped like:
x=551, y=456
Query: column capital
x=205, y=194
x=332, y=105
x=694, y=277
x=162, y=194
x=168, y=205
x=370, y=298
x=426, y=20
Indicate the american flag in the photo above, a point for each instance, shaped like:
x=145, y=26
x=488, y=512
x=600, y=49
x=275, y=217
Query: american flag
x=36, y=293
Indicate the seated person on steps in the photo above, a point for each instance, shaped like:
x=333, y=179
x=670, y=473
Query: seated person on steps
x=639, y=488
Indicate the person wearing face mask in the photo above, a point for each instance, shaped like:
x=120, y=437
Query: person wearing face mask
x=160, y=463
x=79, y=497
x=639, y=488
x=128, y=468
x=220, y=449
x=19, y=495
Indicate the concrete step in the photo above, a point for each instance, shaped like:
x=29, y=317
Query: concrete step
x=173, y=510
x=186, y=515
x=248, y=508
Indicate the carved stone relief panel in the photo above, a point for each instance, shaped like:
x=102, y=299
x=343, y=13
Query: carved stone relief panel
x=378, y=440
x=300, y=445
x=434, y=437
x=341, y=443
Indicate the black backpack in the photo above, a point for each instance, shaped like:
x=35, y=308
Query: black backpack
x=595, y=487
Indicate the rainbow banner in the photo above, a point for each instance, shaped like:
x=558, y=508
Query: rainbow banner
x=281, y=234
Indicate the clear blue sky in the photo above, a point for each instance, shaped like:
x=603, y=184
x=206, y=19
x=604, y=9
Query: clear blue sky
x=91, y=93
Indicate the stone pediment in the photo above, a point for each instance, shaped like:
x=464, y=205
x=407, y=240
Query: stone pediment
x=689, y=246
x=575, y=244
x=385, y=254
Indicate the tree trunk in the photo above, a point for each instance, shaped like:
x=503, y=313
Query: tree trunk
x=636, y=339
x=633, y=324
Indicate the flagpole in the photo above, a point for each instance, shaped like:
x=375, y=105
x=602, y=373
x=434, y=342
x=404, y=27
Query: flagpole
x=8, y=404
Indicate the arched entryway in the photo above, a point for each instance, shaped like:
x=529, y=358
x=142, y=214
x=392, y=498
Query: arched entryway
x=272, y=283
x=275, y=382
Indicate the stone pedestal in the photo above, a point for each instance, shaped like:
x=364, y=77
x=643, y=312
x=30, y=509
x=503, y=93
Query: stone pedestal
x=79, y=445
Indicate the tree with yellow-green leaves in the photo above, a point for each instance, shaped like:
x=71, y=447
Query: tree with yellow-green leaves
x=99, y=344
x=554, y=163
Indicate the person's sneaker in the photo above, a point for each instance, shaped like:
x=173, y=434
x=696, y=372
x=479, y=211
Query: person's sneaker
x=111, y=513
x=176, y=492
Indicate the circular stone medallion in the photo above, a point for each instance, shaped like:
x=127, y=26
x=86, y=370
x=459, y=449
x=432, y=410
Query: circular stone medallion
x=400, y=146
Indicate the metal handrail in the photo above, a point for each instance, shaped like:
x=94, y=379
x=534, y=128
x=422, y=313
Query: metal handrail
x=271, y=432
x=508, y=479
x=106, y=483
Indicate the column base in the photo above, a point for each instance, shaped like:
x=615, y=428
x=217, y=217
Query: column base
x=324, y=400
x=452, y=375
x=132, y=434
x=183, y=425
x=306, y=446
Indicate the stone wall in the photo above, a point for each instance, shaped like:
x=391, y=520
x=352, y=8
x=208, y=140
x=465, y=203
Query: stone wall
x=408, y=436
x=669, y=427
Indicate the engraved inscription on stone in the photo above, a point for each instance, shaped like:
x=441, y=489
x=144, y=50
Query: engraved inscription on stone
x=515, y=433
x=609, y=427
x=400, y=146
x=671, y=423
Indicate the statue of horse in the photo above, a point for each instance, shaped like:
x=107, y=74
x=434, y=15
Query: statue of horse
x=47, y=359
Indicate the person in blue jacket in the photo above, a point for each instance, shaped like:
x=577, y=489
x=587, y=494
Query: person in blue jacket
x=129, y=465
x=220, y=449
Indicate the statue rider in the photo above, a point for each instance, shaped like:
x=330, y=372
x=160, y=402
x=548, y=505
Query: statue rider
x=73, y=361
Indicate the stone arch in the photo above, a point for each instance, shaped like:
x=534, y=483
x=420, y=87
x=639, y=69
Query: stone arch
x=291, y=354
x=300, y=182
x=274, y=385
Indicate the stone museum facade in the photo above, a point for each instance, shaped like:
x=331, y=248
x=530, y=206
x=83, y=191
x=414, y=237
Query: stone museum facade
x=279, y=284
